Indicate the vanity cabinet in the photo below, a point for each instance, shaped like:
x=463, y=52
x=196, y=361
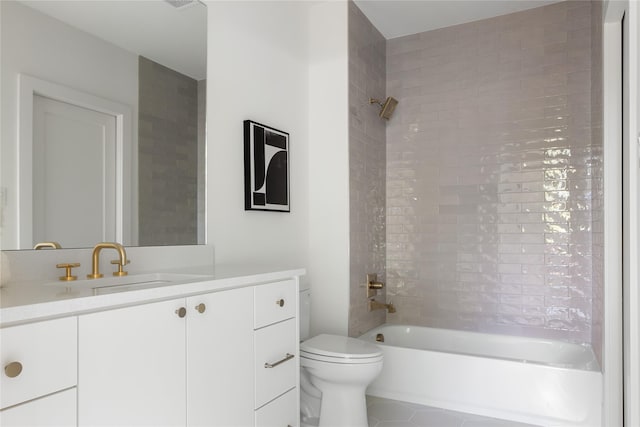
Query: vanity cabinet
x=220, y=358
x=133, y=361
x=39, y=377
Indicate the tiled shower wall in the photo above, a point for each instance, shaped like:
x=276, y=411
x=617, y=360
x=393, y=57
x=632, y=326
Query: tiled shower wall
x=167, y=156
x=367, y=161
x=489, y=175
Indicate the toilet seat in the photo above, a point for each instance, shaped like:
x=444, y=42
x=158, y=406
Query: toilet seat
x=339, y=349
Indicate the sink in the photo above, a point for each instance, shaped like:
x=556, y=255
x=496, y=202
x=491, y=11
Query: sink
x=109, y=285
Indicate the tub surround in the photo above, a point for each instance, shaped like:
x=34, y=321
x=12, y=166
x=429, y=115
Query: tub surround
x=597, y=185
x=490, y=176
x=367, y=159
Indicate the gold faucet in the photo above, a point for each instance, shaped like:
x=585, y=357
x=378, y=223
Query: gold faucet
x=375, y=305
x=95, y=266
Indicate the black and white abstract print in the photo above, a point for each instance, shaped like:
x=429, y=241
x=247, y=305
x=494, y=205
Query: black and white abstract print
x=266, y=168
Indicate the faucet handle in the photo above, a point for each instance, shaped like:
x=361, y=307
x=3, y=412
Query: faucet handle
x=68, y=266
x=120, y=271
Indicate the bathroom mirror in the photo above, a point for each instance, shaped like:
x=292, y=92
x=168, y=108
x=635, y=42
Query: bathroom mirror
x=102, y=122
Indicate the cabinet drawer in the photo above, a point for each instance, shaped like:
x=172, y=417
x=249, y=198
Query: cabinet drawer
x=47, y=354
x=56, y=410
x=282, y=412
x=275, y=344
x=274, y=302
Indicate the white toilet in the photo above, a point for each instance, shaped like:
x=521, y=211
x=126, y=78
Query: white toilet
x=334, y=374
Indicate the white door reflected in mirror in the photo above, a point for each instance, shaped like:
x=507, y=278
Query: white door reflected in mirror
x=69, y=142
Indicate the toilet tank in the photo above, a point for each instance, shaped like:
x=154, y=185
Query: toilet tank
x=305, y=313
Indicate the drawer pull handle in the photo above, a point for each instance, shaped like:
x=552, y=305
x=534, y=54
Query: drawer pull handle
x=13, y=369
x=280, y=302
x=273, y=365
x=181, y=312
x=201, y=308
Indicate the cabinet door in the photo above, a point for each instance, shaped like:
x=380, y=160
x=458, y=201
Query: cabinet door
x=275, y=302
x=56, y=410
x=131, y=366
x=46, y=354
x=276, y=367
x=282, y=412
x=220, y=359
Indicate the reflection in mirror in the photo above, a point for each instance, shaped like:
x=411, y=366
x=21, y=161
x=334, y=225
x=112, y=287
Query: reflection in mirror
x=103, y=122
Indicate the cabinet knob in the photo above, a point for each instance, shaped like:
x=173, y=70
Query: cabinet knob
x=13, y=369
x=280, y=302
x=181, y=312
x=201, y=308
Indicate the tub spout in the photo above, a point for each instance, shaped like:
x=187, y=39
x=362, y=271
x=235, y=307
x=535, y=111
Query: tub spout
x=375, y=305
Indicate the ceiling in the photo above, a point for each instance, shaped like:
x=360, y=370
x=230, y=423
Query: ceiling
x=397, y=18
x=175, y=37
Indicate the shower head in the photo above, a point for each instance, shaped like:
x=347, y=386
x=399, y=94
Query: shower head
x=386, y=108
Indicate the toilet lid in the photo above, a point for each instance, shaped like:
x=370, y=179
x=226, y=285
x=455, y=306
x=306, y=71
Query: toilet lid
x=339, y=346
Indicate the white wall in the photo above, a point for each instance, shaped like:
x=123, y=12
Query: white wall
x=283, y=64
x=257, y=65
x=329, y=167
x=42, y=47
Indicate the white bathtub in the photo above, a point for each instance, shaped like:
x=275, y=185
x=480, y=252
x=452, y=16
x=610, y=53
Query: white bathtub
x=535, y=381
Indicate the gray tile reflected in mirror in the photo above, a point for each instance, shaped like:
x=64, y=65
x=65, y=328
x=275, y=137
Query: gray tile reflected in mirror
x=170, y=138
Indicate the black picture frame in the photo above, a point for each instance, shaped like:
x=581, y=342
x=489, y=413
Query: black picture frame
x=266, y=168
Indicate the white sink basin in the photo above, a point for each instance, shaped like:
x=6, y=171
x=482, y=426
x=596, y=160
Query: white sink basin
x=108, y=285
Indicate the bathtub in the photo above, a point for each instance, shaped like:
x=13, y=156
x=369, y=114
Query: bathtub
x=542, y=382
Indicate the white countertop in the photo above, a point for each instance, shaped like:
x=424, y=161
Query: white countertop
x=29, y=301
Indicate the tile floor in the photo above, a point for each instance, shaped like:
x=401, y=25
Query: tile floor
x=393, y=413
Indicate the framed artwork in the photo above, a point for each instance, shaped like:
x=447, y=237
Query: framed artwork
x=266, y=168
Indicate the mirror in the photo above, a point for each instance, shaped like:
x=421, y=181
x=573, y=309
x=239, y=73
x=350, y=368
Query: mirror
x=102, y=122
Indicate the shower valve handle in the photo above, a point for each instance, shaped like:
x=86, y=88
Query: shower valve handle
x=373, y=285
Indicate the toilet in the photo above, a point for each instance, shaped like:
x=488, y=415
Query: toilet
x=334, y=374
